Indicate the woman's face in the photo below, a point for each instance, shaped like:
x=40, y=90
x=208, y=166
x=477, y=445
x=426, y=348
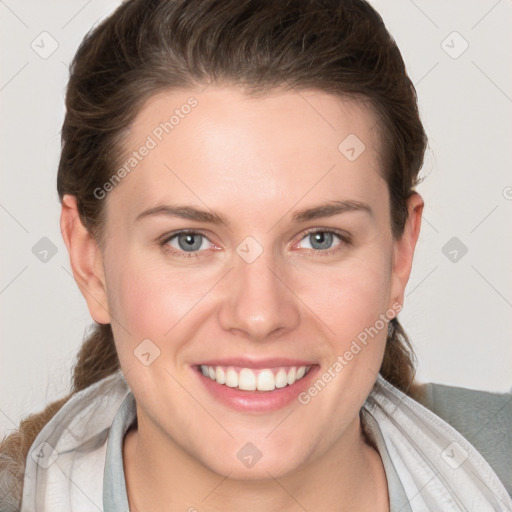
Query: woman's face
x=256, y=290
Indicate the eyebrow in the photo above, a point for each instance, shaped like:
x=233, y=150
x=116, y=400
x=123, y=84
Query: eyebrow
x=328, y=209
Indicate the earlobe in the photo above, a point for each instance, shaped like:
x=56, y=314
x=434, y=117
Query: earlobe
x=403, y=251
x=86, y=260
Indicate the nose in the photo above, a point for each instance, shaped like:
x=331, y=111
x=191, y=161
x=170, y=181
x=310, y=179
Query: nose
x=258, y=303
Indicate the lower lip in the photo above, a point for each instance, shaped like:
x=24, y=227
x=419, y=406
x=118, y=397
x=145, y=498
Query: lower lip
x=257, y=401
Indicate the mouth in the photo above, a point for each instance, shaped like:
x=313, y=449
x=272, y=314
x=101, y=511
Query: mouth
x=258, y=390
x=254, y=379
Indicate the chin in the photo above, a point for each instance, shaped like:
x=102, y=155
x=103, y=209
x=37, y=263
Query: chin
x=253, y=461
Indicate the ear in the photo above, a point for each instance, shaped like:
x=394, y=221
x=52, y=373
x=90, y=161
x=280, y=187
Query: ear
x=86, y=260
x=403, y=249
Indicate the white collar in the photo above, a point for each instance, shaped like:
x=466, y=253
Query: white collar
x=439, y=469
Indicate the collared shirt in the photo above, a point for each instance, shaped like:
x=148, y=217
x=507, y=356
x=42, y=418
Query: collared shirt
x=114, y=487
x=75, y=464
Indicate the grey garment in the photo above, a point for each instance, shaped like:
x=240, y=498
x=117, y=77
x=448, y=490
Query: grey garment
x=114, y=485
x=482, y=417
x=115, y=498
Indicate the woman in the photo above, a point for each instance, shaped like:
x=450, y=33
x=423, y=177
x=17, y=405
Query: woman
x=238, y=201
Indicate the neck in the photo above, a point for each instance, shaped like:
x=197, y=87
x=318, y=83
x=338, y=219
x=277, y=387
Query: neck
x=350, y=477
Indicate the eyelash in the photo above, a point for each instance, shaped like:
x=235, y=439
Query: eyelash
x=346, y=239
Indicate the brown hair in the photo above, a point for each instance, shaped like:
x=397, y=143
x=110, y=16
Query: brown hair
x=147, y=46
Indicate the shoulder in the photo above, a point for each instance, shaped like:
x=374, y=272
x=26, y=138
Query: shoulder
x=75, y=427
x=484, y=418
x=473, y=410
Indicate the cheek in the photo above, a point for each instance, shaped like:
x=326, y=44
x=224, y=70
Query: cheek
x=350, y=297
x=148, y=299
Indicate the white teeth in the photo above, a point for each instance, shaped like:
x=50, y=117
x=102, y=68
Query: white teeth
x=281, y=379
x=220, y=376
x=249, y=380
x=231, y=378
x=266, y=381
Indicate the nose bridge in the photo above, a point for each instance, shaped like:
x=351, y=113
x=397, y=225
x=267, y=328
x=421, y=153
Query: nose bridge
x=258, y=301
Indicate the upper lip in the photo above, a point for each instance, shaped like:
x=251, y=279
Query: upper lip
x=245, y=362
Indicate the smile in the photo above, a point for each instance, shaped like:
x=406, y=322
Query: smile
x=262, y=379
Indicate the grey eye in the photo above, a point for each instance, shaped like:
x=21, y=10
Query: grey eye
x=320, y=240
x=188, y=242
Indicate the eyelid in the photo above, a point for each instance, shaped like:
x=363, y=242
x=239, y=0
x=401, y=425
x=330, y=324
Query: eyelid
x=345, y=238
x=163, y=241
x=343, y=235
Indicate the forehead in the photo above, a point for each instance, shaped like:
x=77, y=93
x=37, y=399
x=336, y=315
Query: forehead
x=222, y=144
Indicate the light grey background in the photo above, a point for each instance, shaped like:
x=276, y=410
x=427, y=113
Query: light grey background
x=458, y=313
